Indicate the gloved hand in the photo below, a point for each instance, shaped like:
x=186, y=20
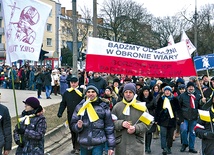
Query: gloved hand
x=209, y=135
x=19, y=143
x=59, y=115
x=20, y=131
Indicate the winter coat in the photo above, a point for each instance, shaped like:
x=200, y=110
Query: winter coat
x=47, y=78
x=110, y=100
x=162, y=116
x=188, y=112
x=33, y=138
x=129, y=144
x=98, y=132
x=100, y=84
x=5, y=129
x=69, y=100
x=63, y=84
x=207, y=144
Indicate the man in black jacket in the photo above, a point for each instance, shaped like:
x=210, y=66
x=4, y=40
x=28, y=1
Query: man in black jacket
x=70, y=99
x=204, y=130
x=189, y=102
x=5, y=130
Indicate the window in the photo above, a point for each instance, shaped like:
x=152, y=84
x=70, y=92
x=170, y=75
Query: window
x=0, y=22
x=49, y=42
x=49, y=27
x=0, y=38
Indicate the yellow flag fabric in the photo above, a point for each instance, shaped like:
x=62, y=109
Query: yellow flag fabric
x=134, y=104
x=26, y=119
x=76, y=90
x=90, y=110
x=167, y=105
x=146, y=118
x=116, y=90
x=204, y=115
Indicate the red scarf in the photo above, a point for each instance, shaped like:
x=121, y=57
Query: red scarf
x=192, y=101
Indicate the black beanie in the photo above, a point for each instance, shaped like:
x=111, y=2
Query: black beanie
x=190, y=84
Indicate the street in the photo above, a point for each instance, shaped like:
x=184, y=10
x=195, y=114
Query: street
x=66, y=148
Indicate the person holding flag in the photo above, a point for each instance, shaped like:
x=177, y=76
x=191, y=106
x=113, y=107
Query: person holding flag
x=166, y=114
x=93, y=122
x=204, y=129
x=189, y=102
x=130, y=132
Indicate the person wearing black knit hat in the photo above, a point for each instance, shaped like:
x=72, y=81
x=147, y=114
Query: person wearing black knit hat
x=145, y=95
x=32, y=128
x=208, y=94
x=190, y=103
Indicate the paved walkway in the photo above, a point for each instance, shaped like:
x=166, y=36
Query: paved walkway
x=7, y=99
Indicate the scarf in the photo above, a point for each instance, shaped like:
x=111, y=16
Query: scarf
x=116, y=90
x=167, y=105
x=76, y=90
x=192, y=101
x=26, y=119
x=134, y=104
x=90, y=110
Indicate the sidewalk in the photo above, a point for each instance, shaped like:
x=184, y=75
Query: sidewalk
x=54, y=138
x=7, y=99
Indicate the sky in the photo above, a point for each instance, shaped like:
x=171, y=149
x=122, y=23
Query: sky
x=158, y=8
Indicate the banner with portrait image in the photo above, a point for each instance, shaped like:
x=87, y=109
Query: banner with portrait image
x=24, y=21
x=120, y=58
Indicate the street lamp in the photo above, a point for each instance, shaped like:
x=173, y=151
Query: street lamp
x=195, y=16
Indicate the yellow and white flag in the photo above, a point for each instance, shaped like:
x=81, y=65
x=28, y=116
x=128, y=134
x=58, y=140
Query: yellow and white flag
x=167, y=105
x=146, y=118
x=204, y=115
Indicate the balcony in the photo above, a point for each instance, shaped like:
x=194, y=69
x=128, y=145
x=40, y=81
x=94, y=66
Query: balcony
x=2, y=47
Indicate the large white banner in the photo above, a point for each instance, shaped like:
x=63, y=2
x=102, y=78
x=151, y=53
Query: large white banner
x=24, y=21
x=121, y=58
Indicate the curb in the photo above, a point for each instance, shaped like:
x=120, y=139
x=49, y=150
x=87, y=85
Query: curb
x=53, y=139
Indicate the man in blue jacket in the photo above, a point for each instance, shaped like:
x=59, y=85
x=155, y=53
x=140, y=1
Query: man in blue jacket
x=93, y=122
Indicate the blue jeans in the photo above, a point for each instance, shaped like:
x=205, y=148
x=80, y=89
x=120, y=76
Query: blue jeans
x=48, y=91
x=96, y=150
x=185, y=128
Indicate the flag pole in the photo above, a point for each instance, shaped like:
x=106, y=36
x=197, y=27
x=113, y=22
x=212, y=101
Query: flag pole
x=199, y=86
x=16, y=107
x=208, y=77
x=211, y=123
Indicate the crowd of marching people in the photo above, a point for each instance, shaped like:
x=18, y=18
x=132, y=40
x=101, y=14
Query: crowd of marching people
x=104, y=111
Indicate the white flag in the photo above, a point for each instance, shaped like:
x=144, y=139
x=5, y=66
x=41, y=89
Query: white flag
x=170, y=40
x=191, y=48
x=24, y=21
